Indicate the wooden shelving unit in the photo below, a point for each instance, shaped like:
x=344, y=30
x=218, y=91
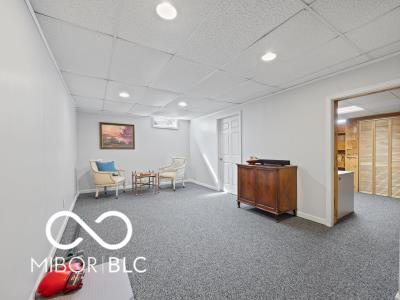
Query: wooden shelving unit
x=341, y=147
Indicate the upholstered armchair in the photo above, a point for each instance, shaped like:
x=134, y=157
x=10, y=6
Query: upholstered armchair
x=106, y=178
x=175, y=171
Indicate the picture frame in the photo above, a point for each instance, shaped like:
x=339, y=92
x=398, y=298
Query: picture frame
x=116, y=136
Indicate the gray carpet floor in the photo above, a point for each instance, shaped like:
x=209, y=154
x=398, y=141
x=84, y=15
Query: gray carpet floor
x=198, y=245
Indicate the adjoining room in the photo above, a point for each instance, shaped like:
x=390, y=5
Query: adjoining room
x=181, y=149
x=367, y=152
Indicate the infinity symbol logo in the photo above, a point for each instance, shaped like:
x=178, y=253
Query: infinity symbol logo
x=89, y=230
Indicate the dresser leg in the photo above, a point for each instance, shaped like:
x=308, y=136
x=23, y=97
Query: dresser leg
x=294, y=212
x=238, y=203
x=276, y=218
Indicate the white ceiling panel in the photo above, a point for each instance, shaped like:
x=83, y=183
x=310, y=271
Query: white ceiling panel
x=396, y=92
x=88, y=103
x=350, y=14
x=329, y=70
x=122, y=107
x=77, y=50
x=383, y=31
x=197, y=104
x=216, y=84
x=85, y=86
x=135, y=64
x=387, y=109
x=373, y=101
x=386, y=50
x=246, y=90
x=279, y=73
x=373, y=104
x=140, y=22
x=143, y=110
x=156, y=97
x=298, y=35
x=180, y=75
x=95, y=15
x=234, y=26
x=114, y=88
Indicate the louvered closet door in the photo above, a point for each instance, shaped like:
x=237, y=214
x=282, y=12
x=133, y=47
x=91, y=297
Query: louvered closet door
x=382, y=157
x=365, y=155
x=396, y=157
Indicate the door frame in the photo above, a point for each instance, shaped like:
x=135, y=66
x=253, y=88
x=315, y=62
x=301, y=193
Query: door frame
x=220, y=166
x=333, y=177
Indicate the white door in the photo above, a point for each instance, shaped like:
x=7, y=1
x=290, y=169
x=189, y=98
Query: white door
x=230, y=152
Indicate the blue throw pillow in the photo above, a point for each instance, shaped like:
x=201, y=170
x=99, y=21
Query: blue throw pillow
x=106, y=166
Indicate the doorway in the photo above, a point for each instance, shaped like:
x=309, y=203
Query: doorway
x=230, y=151
x=366, y=146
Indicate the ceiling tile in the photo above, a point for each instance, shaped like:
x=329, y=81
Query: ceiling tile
x=216, y=84
x=234, y=26
x=114, y=88
x=386, y=50
x=86, y=103
x=280, y=73
x=197, y=104
x=298, y=35
x=354, y=61
x=95, y=15
x=122, y=107
x=140, y=22
x=379, y=103
x=143, y=110
x=383, y=31
x=387, y=109
x=180, y=75
x=350, y=14
x=246, y=90
x=85, y=86
x=396, y=92
x=374, y=101
x=135, y=64
x=155, y=97
x=77, y=50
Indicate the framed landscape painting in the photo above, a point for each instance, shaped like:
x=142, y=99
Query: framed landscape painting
x=117, y=136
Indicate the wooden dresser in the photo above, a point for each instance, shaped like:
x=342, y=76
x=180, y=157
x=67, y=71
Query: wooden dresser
x=268, y=187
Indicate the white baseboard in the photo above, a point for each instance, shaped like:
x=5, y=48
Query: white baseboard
x=203, y=184
x=53, y=249
x=311, y=218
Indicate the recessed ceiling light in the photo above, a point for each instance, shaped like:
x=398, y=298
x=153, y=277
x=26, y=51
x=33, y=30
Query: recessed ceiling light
x=349, y=109
x=166, y=11
x=268, y=56
x=182, y=104
x=124, y=95
x=341, y=121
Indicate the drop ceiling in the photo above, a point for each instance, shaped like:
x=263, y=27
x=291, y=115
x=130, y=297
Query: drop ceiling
x=210, y=55
x=373, y=104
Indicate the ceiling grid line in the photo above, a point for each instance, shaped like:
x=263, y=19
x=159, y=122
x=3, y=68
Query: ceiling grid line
x=201, y=66
x=117, y=14
x=323, y=20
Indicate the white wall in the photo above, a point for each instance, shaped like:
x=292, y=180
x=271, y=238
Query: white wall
x=38, y=148
x=294, y=125
x=153, y=147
